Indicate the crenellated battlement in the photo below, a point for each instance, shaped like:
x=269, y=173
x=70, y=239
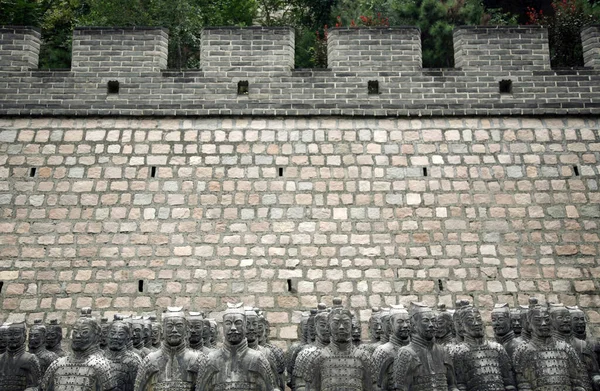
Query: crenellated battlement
x=244, y=71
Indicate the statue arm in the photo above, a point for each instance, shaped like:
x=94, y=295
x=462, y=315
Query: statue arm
x=47, y=383
x=144, y=374
x=34, y=374
x=521, y=360
x=577, y=372
x=404, y=367
x=506, y=368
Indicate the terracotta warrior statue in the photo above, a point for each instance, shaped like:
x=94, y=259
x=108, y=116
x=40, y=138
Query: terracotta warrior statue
x=206, y=336
x=156, y=332
x=294, y=349
x=174, y=367
x=54, y=338
x=375, y=331
x=252, y=336
x=3, y=337
x=214, y=333
x=544, y=363
x=458, y=328
x=526, y=329
x=384, y=355
x=480, y=364
x=340, y=366
x=19, y=370
x=234, y=366
x=37, y=345
x=356, y=331
x=444, y=334
x=264, y=330
x=148, y=333
x=562, y=329
x=196, y=329
x=138, y=337
x=579, y=322
x=423, y=365
x=302, y=371
x=104, y=325
x=87, y=368
x=124, y=362
x=515, y=321
x=501, y=323
x=385, y=326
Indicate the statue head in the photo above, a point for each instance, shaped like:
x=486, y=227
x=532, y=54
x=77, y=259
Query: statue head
x=261, y=326
x=515, y=321
x=538, y=319
x=302, y=332
x=175, y=328
x=422, y=319
x=385, y=324
x=16, y=336
x=234, y=324
x=251, y=324
x=375, y=329
x=267, y=333
x=356, y=329
x=214, y=331
x=472, y=322
x=525, y=309
x=137, y=331
x=104, y=326
x=578, y=321
x=443, y=322
x=147, y=331
x=310, y=325
x=340, y=322
x=458, y=326
x=37, y=335
x=399, y=322
x=119, y=334
x=560, y=318
x=86, y=332
x=501, y=320
x=206, y=332
x=53, y=334
x=322, y=324
x=195, y=322
x=156, y=330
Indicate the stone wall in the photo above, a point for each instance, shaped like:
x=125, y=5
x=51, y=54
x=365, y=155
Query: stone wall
x=134, y=214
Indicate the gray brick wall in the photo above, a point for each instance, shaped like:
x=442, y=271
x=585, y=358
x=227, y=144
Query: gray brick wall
x=501, y=47
x=590, y=37
x=264, y=57
x=100, y=51
x=19, y=48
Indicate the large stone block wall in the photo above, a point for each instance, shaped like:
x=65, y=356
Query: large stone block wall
x=286, y=212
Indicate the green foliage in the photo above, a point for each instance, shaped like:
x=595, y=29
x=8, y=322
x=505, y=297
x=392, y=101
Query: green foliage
x=564, y=29
x=20, y=13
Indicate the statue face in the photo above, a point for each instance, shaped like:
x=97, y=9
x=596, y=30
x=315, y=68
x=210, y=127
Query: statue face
x=174, y=331
x=196, y=327
x=400, y=325
x=424, y=324
x=322, y=329
x=147, y=332
x=310, y=328
x=540, y=322
x=356, y=330
x=37, y=338
x=214, y=331
x=443, y=325
x=578, y=322
x=472, y=323
x=234, y=328
x=137, y=334
x=561, y=321
x=16, y=337
x=385, y=325
x=261, y=330
x=375, y=327
x=83, y=337
x=118, y=337
x=104, y=335
x=267, y=329
x=156, y=332
x=501, y=322
x=515, y=322
x=340, y=326
x=53, y=336
x=206, y=334
x=251, y=327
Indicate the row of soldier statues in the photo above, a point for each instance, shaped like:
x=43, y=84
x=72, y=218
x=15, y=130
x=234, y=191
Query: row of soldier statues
x=538, y=347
